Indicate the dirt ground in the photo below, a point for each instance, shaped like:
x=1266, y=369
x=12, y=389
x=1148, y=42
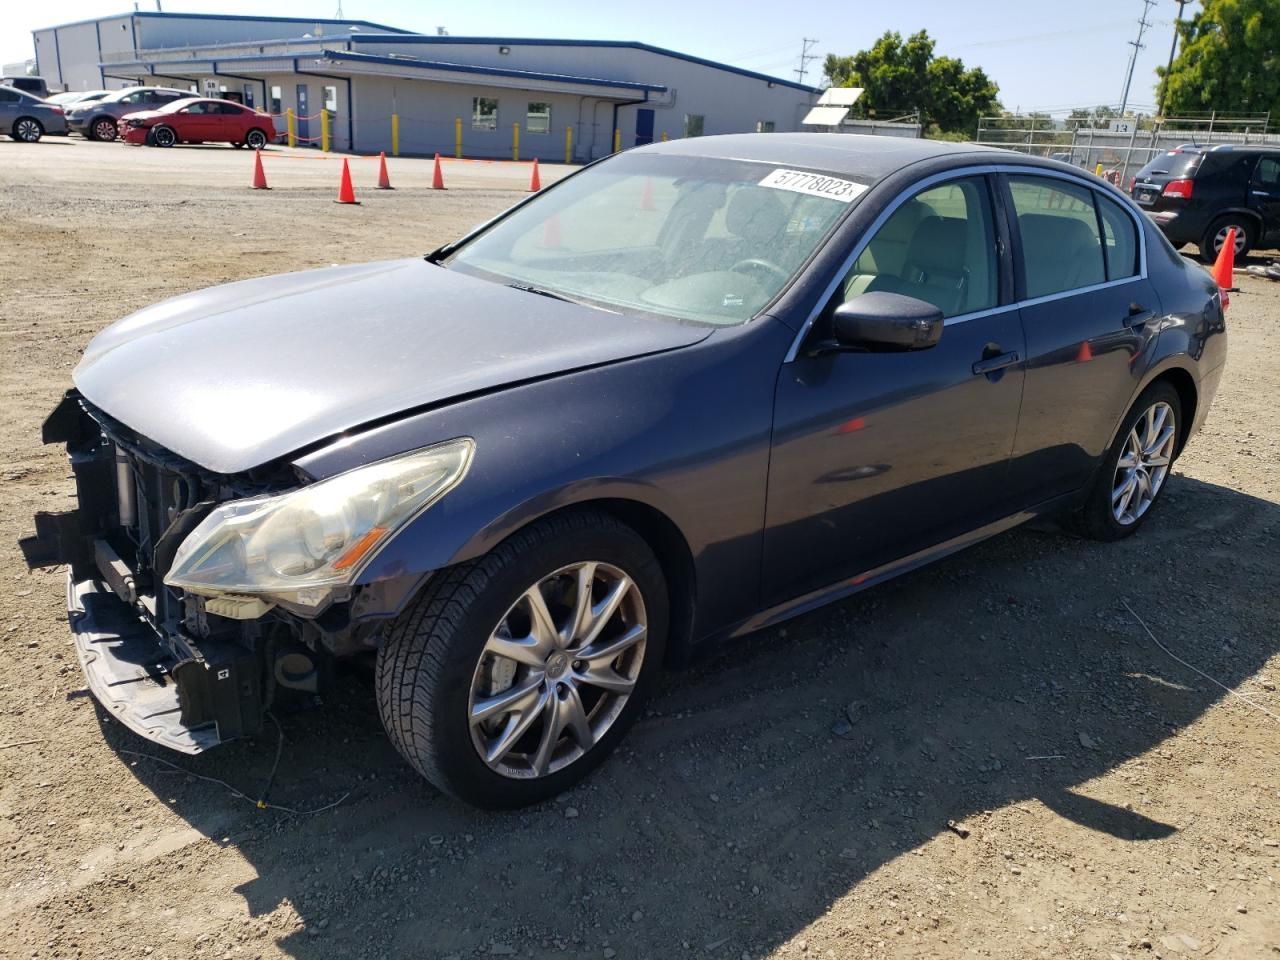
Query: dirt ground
x=1116, y=803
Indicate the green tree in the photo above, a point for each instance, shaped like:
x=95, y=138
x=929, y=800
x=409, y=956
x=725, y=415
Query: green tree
x=902, y=76
x=1229, y=60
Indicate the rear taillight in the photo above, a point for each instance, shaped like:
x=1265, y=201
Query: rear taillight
x=58, y=110
x=1178, y=189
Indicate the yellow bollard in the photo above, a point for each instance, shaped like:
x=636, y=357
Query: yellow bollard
x=1098, y=171
x=457, y=137
x=617, y=139
x=568, y=144
x=292, y=126
x=395, y=134
x=664, y=137
x=324, y=130
x=515, y=141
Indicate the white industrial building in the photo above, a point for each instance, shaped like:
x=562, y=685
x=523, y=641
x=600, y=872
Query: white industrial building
x=440, y=87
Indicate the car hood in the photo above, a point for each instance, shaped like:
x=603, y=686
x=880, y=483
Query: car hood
x=142, y=115
x=235, y=376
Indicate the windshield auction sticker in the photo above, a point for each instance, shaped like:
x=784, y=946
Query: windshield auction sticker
x=814, y=184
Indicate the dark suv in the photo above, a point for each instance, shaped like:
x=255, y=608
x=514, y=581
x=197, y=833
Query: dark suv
x=1196, y=194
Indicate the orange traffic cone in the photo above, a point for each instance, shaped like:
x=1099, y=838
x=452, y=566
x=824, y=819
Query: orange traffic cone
x=535, y=181
x=1223, y=266
x=259, y=177
x=346, y=194
x=646, y=198
x=1085, y=354
x=384, y=182
x=437, y=178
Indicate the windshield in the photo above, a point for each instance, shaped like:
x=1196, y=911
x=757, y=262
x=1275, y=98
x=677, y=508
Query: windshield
x=695, y=238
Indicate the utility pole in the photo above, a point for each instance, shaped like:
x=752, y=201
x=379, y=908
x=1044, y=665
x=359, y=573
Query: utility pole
x=1137, y=45
x=1173, y=48
x=805, y=57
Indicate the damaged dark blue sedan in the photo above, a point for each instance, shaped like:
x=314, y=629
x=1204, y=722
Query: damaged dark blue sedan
x=689, y=392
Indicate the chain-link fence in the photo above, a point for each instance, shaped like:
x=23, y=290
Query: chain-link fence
x=1120, y=146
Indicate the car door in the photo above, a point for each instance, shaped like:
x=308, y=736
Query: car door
x=9, y=101
x=1264, y=194
x=197, y=121
x=1089, y=312
x=232, y=122
x=879, y=455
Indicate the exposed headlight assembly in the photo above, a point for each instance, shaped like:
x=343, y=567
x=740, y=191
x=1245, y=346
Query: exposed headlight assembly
x=297, y=546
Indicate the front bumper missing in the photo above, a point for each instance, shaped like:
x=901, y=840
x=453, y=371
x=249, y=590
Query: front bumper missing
x=181, y=696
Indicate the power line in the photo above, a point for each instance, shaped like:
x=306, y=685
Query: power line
x=806, y=56
x=1137, y=46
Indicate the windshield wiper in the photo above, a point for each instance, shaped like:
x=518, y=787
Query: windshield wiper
x=544, y=292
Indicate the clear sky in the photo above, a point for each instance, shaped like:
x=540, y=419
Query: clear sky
x=1044, y=56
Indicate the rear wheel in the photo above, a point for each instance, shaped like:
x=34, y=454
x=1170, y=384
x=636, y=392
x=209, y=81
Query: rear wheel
x=256, y=139
x=163, y=136
x=1216, y=235
x=104, y=129
x=27, y=129
x=1135, y=469
x=512, y=676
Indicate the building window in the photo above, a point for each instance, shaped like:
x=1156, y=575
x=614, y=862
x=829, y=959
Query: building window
x=331, y=99
x=693, y=124
x=484, y=113
x=764, y=126
x=276, y=103
x=538, y=120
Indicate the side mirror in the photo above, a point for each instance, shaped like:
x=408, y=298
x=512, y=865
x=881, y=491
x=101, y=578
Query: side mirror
x=886, y=321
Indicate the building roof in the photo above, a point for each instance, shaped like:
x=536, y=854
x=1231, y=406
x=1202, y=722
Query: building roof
x=228, y=16
x=617, y=44
x=848, y=153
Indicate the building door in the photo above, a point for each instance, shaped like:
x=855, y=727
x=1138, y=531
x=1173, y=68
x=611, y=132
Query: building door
x=248, y=95
x=644, y=127
x=304, y=125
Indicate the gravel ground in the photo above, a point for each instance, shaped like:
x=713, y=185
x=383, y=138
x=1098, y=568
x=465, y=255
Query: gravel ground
x=791, y=797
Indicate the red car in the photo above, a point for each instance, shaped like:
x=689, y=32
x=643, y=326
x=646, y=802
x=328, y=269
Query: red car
x=198, y=120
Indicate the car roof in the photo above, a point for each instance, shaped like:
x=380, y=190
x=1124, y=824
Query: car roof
x=848, y=153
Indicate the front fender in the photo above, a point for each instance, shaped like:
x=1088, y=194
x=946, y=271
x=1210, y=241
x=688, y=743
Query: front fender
x=685, y=433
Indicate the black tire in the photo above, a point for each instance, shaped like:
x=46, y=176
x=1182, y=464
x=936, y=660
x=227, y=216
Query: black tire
x=27, y=130
x=1096, y=518
x=1210, y=243
x=255, y=139
x=162, y=136
x=429, y=656
x=103, y=129
x=236, y=144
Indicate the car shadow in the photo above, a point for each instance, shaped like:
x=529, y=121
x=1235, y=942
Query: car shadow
x=766, y=783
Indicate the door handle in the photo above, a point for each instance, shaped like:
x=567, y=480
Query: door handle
x=991, y=364
x=1137, y=317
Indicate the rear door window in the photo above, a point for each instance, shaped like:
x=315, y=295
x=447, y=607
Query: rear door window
x=1120, y=239
x=1267, y=176
x=1061, y=243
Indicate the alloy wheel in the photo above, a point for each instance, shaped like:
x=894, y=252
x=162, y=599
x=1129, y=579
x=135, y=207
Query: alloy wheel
x=164, y=137
x=28, y=130
x=104, y=130
x=1144, y=463
x=557, y=670
x=256, y=140
x=1220, y=238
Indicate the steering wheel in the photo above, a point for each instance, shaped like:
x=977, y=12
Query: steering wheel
x=755, y=263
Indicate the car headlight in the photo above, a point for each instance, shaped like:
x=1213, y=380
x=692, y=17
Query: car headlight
x=296, y=546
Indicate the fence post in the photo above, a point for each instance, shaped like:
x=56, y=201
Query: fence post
x=324, y=131
x=515, y=141
x=292, y=126
x=457, y=137
x=568, y=144
x=617, y=140
x=395, y=134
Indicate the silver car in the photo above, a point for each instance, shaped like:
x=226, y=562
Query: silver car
x=28, y=118
x=100, y=119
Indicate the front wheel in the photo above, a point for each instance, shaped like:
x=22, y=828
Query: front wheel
x=104, y=129
x=1135, y=469
x=27, y=129
x=163, y=136
x=512, y=676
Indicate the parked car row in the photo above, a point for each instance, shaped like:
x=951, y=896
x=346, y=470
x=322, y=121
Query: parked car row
x=156, y=116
